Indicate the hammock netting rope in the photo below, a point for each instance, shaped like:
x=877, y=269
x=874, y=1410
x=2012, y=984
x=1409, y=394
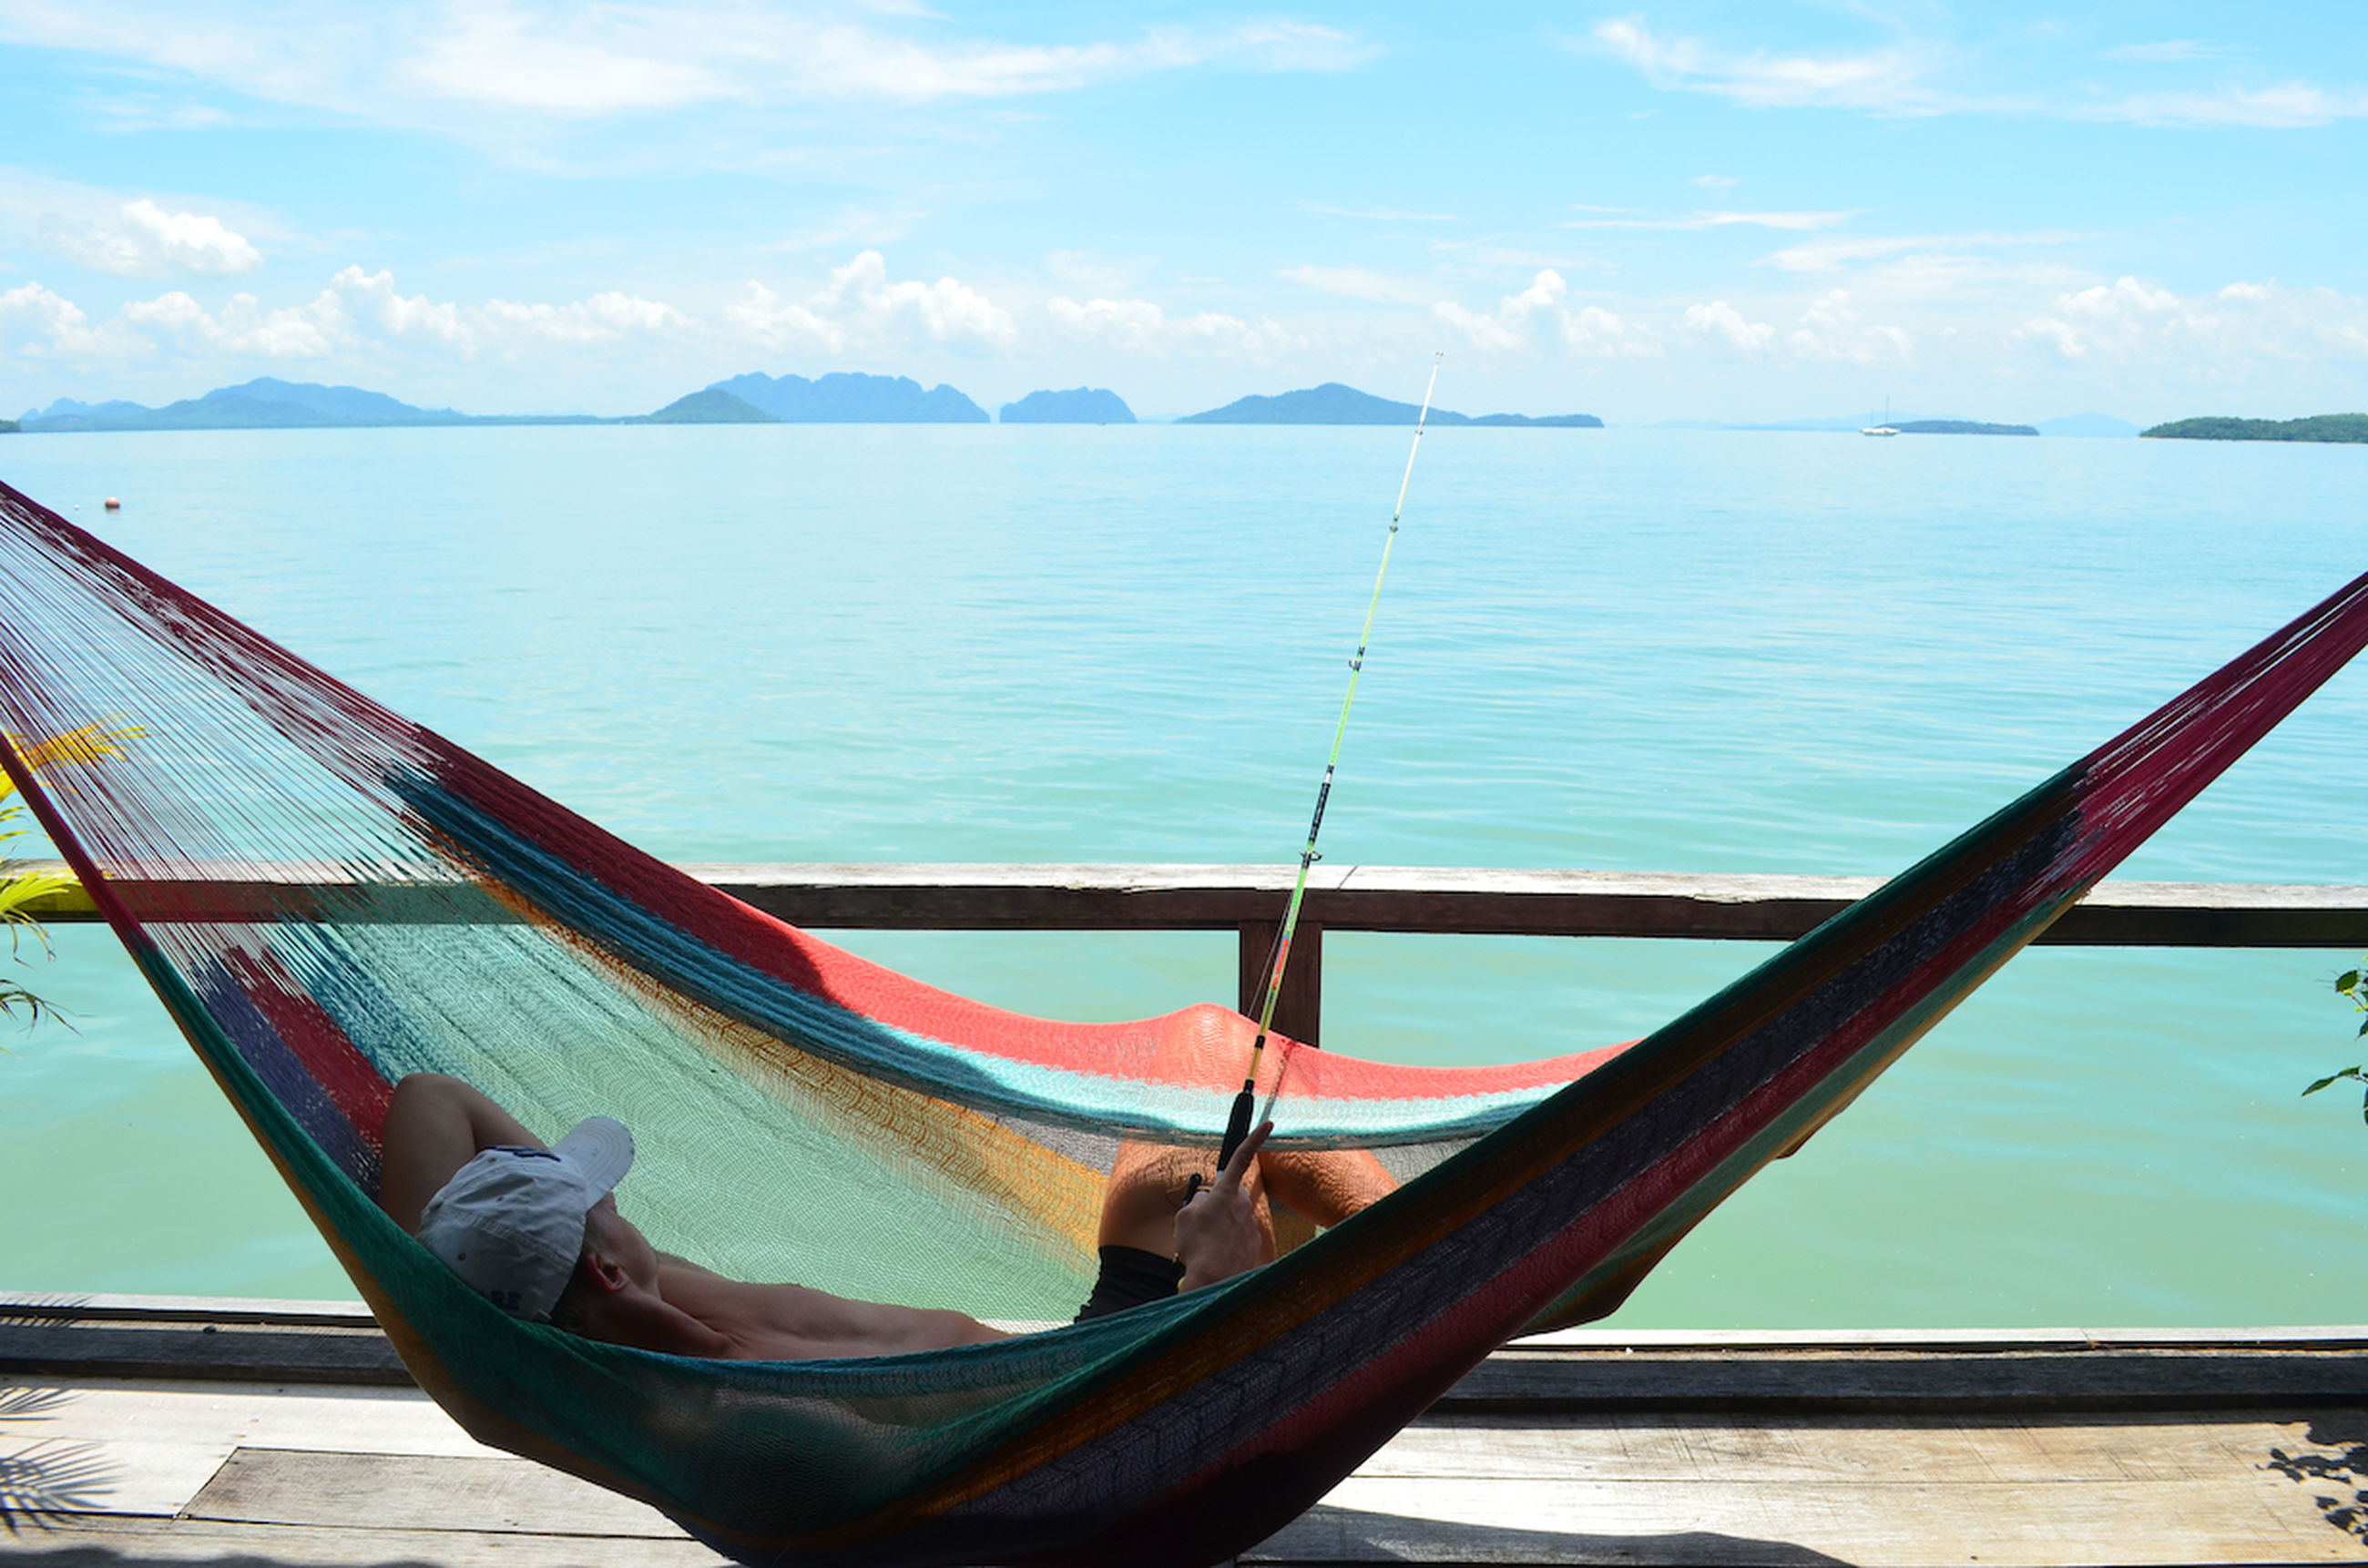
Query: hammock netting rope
x=327, y=897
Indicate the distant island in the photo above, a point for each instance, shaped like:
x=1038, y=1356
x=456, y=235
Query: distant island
x=1333, y=404
x=840, y=397
x=267, y=404
x=1961, y=427
x=2317, y=427
x=851, y=398
x=8, y=426
x=1086, y=406
x=710, y=405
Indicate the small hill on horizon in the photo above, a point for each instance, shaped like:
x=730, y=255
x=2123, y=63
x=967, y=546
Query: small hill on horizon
x=1335, y=403
x=850, y=397
x=710, y=405
x=2342, y=428
x=1086, y=406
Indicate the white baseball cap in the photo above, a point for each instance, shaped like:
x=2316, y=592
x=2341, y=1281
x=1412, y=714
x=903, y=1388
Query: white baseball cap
x=511, y=1221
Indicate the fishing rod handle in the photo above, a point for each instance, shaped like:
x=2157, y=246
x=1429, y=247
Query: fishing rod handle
x=1237, y=1128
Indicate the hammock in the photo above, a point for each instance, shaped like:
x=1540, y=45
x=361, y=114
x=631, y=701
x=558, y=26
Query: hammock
x=326, y=897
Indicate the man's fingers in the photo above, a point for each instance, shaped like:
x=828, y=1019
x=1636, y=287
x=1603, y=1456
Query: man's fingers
x=1239, y=1166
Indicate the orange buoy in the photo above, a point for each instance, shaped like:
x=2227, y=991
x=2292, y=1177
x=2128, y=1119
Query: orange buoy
x=113, y=504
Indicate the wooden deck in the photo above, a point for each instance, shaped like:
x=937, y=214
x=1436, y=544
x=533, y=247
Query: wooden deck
x=255, y=1434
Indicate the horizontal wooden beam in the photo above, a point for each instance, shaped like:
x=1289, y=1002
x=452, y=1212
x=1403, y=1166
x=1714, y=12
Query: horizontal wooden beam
x=1357, y=897
x=1605, y=1371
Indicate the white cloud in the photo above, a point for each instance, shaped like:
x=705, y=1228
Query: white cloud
x=357, y=314
x=1591, y=329
x=45, y=322
x=1905, y=80
x=1717, y=184
x=1723, y=323
x=590, y=61
x=566, y=60
x=1356, y=283
x=32, y=315
x=2113, y=318
x=1719, y=220
x=2132, y=323
x=861, y=304
x=243, y=327
x=507, y=325
x=777, y=323
x=145, y=241
x=1139, y=326
x=943, y=310
x=2287, y=107
x=1511, y=324
x=1537, y=315
x=1890, y=80
x=1832, y=255
x=1830, y=332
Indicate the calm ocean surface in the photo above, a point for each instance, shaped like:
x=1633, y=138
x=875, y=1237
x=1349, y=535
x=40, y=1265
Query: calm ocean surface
x=1620, y=649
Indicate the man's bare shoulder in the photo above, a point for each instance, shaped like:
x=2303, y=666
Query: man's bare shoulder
x=796, y=1322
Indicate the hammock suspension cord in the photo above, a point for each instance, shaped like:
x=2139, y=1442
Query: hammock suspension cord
x=1238, y=1124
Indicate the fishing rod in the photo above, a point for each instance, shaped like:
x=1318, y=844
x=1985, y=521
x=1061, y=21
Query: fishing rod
x=1237, y=1125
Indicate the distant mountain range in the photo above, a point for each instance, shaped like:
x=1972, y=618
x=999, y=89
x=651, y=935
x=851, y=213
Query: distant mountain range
x=845, y=398
x=852, y=397
x=267, y=404
x=1333, y=404
x=1086, y=406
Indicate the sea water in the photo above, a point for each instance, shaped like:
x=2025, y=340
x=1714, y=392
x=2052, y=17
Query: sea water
x=1623, y=649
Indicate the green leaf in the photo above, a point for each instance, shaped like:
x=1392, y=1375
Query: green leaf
x=2346, y=979
x=2322, y=1083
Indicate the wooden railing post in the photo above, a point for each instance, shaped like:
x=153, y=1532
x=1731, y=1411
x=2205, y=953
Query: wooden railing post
x=1299, y=1011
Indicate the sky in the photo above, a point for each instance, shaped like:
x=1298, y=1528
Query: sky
x=1788, y=208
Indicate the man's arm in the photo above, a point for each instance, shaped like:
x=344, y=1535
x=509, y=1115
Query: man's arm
x=435, y=1126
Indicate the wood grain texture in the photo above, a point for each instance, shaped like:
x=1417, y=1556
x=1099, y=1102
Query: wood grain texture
x=1481, y=900
x=393, y=1492
x=102, y=1542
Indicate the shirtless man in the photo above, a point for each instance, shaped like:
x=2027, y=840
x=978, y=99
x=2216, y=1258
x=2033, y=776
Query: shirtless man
x=536, y=1229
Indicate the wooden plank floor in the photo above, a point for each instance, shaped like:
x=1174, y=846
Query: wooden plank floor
x=1655, y=1449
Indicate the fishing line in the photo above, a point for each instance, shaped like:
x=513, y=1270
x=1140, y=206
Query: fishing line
x=1237, y=1125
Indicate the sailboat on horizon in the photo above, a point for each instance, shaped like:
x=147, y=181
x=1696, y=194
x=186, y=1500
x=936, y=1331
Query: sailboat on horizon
x=1886, y=427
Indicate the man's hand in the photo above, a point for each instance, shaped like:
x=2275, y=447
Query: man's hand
x=1217, y=1231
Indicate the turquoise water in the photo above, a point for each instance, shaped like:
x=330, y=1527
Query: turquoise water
x=1620, y=649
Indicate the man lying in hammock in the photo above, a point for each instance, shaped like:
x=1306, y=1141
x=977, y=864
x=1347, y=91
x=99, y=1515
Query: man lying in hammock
x=536, y=1229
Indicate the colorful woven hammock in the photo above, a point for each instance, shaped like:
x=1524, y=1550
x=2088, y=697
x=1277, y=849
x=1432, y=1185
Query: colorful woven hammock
x=328, y=897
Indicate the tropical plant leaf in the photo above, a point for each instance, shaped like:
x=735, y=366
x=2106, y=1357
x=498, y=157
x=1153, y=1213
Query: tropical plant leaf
x=84, y=743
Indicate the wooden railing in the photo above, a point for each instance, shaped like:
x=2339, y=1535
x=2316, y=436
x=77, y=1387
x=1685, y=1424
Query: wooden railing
x=1249, y=900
